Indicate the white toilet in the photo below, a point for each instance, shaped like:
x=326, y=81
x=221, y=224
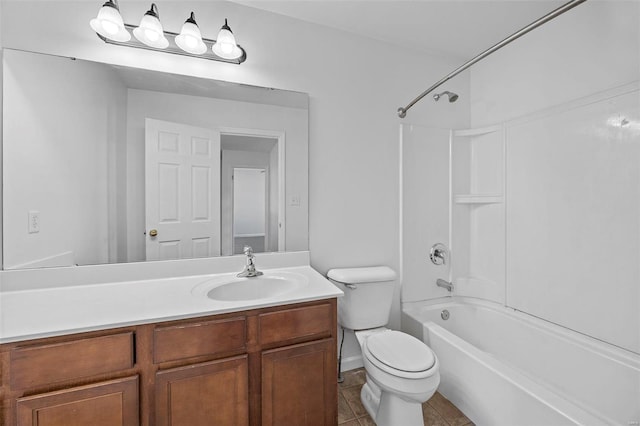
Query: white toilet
x=402, y=372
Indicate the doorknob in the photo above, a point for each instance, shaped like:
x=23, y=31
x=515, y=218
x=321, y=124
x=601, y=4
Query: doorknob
x=153, y=232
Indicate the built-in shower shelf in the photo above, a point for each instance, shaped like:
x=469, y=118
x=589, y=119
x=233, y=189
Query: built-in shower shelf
x=477, y=198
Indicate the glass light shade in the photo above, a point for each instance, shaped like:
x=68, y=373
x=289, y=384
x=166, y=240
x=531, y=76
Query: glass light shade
x=150, y=31
x=109, y=23
x=190, y=38
x=225, y=45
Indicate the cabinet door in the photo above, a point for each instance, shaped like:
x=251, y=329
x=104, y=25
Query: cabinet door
x=112, y=403
x=211, y=393
x=299, y=385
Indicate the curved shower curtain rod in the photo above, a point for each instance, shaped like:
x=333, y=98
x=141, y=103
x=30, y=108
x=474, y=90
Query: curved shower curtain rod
x=402, y=112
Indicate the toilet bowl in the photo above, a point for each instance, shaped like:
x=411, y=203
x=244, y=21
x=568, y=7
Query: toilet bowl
x=402, y=373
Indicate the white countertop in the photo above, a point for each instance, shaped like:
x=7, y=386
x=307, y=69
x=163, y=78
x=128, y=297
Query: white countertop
x=45, y=312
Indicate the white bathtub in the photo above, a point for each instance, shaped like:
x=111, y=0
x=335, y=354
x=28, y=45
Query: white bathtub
x=504, y=367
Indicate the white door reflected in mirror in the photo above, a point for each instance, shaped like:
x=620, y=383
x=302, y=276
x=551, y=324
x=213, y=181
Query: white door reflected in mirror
x=182, y=190
x=250, y=189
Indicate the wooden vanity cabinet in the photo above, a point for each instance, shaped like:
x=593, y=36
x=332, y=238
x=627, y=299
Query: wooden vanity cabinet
x=298, y=366
x=210, y=384
x=270, y=366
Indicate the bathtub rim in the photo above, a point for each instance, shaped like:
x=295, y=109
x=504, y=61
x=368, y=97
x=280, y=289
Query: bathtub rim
x=612, y=352
x=556, y=399
x=571, y=410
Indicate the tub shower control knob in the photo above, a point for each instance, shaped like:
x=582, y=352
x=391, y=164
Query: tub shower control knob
x=438, y=254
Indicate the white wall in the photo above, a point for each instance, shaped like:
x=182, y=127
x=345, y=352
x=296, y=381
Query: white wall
x=47, y=147
x=591, y=48
x=355, y=86
x=425, y=210
x=573, y=186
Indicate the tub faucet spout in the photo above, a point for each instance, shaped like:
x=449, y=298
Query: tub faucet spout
x=249, y=270
x=444, y=284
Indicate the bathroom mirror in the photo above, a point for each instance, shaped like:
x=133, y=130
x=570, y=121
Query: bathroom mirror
x=109, y=164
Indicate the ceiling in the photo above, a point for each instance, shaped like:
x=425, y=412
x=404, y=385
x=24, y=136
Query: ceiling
x=459, y=29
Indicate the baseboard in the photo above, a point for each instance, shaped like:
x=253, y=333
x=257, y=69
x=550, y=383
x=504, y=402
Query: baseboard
x=351, y=363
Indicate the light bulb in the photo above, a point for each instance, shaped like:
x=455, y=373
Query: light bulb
x=109, y=27
x=151, y=35
x=109, y=23
x=190, y=41
x=227, y=47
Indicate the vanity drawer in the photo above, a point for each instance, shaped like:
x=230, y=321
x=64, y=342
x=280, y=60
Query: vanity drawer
x=184, y=341
x=58, y=362
x=296, y=323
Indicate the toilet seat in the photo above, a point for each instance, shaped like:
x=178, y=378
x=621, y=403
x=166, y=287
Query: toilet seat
x=399, y=354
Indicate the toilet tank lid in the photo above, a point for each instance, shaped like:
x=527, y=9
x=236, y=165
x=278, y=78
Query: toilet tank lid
x=369, y=274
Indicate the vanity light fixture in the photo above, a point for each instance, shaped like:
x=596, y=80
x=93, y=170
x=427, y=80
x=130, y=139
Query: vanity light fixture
x=109, y=22
x=150, y=30
x=150, y=35
x=190, y=39
x=226, y=46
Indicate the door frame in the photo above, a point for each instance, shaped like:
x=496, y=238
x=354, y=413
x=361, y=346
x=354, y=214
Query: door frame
x=280, y=138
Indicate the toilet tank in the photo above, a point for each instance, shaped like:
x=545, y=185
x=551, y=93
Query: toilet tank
x=368, y=295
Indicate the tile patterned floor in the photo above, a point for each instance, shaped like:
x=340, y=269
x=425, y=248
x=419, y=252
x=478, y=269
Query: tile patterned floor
x=438, y=411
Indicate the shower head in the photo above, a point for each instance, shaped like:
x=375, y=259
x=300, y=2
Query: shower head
x=452, y=96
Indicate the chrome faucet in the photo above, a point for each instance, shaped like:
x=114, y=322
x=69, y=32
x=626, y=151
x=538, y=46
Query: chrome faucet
x=250, y=268
x=444, y=284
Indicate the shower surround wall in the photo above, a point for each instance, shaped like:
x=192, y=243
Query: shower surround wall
x=573, y=218
x=568, y=99
x=572, y=182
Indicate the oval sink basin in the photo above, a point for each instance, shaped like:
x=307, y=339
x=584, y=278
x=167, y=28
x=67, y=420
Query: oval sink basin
x=234, y=289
